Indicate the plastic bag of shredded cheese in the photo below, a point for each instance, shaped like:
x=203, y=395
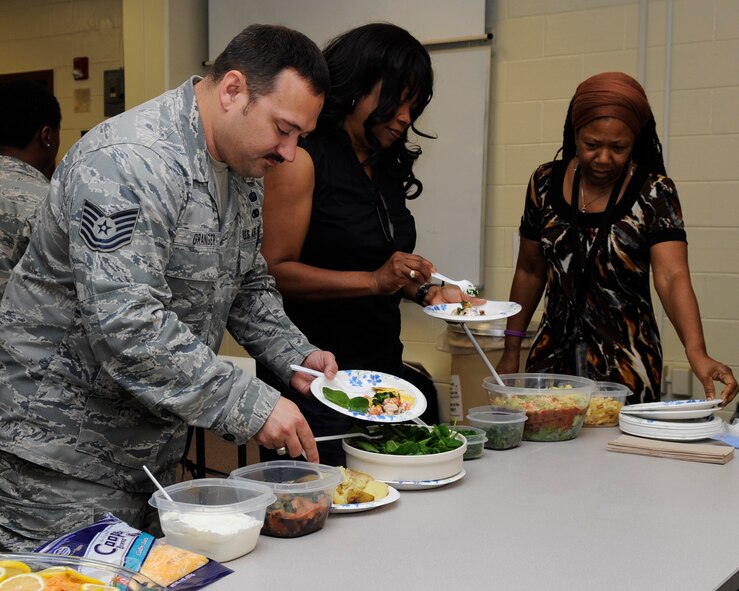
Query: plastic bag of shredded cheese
x=114, y=541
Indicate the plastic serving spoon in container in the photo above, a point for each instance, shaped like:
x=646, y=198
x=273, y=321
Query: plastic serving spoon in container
x=466, y=286
x=159, y=486
x=347, y=436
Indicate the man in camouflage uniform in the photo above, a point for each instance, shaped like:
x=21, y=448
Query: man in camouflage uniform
x=145, y=252
x=29, y=142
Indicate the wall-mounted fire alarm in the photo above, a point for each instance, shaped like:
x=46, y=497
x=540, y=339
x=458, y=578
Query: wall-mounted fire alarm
x=79, y=68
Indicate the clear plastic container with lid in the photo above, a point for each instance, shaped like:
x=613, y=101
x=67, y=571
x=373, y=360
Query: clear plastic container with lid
x=605, y=404
x=304, y=492
x=216, y=517
x=555, y=404
x=502, y=426
x=475, y=437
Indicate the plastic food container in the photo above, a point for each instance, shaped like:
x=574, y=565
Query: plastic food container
x=502, y=426
x=397, y=468
x=304, y=493
x=605, y=404
x=554, y=404
x=475, y=437
x=216, y=517
x=109, y=574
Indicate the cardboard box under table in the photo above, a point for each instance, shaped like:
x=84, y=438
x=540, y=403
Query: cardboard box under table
x=468, y=368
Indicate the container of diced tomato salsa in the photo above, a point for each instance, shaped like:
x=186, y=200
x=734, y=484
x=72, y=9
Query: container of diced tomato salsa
x=555, y=404
x=304, y=494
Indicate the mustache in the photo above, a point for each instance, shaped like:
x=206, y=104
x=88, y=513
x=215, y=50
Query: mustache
x=275, y=156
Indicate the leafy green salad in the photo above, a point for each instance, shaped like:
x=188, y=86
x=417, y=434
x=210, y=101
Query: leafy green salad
x=410, y=440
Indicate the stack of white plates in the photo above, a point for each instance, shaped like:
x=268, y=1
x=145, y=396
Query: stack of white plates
x=677, y=420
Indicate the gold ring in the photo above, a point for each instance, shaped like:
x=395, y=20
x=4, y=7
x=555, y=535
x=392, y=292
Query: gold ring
x=412, y=274
x=281, y=451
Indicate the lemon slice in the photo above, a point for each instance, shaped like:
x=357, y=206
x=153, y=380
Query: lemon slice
x=96, y=587
x=23, y=582
x=78, y=576
x=9, y=568
x=21, y=567
x=52, y=571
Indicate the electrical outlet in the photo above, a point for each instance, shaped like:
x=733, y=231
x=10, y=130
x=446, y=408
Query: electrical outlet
x=681, y=382
x=113, y=92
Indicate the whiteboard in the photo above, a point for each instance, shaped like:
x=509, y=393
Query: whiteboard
x=430, y=21
x=450, y=212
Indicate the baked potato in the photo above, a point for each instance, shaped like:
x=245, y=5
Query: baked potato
x=358, y=487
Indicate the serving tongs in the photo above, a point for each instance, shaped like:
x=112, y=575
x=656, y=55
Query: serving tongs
x=347, y=436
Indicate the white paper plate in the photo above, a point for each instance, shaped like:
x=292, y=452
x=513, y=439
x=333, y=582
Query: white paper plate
x=701, y=424
x=492, y=311
x=363, y=381
x=673, y=415
x=424, y=484
x=671, y=406
x=691, y=430
x=392, y=496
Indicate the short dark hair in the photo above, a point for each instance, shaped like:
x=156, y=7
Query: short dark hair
x=26, y=107
x=263, y=52
x=360, y=58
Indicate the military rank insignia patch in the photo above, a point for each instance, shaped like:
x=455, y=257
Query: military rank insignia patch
x=105, y=233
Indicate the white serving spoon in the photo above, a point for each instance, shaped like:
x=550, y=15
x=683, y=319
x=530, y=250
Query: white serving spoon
x=466, y=286
x=347, y=436
x=159, y=486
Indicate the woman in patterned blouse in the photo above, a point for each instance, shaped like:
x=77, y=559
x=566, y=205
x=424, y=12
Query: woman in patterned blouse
x=594, y=223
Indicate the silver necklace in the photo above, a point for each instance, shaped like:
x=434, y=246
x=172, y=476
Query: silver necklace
x=584, y=205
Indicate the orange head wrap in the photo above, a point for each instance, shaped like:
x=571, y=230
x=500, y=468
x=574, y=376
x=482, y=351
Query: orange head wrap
x=611, y=94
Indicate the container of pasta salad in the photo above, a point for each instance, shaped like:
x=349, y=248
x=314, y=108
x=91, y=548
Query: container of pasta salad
x=605, y=404
x=555, y=404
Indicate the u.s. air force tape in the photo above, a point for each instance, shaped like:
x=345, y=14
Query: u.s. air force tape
x=105, y=233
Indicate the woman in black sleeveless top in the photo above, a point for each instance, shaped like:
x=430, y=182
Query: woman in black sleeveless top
x=338, y=235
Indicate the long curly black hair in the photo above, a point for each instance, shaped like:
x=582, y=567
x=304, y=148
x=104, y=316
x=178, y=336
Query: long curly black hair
x=647, y=149
x=357, y=60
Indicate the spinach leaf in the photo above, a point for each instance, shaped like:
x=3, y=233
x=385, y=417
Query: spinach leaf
x=340, y=398
x=359, y=404
x=337, y=397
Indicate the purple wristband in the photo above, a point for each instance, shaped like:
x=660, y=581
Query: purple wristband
x=514, y=333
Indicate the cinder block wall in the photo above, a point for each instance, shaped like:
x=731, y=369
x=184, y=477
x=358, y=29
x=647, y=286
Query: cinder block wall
x=541, y=51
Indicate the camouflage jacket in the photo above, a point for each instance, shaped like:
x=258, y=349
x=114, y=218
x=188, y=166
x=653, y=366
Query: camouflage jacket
x=22, y=188
x=132, y=275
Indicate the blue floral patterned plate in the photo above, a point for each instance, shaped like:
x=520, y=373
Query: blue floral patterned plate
x=362, y=382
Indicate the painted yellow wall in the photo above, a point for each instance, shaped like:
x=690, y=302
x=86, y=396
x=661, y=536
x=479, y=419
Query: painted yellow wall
x=144, y=49
x=48, y=34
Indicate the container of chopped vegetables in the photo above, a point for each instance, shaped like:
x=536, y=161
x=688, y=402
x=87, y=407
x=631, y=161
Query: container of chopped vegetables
x=555, y=404
x=304, y=494
x=605, y=404
x=503, y=427
x=408, y=452
x=475, y=440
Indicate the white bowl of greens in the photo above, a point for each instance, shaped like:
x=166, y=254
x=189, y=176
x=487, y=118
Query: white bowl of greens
x=408, y=452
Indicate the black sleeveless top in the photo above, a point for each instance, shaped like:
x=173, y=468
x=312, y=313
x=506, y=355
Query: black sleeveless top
x=349, y=231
